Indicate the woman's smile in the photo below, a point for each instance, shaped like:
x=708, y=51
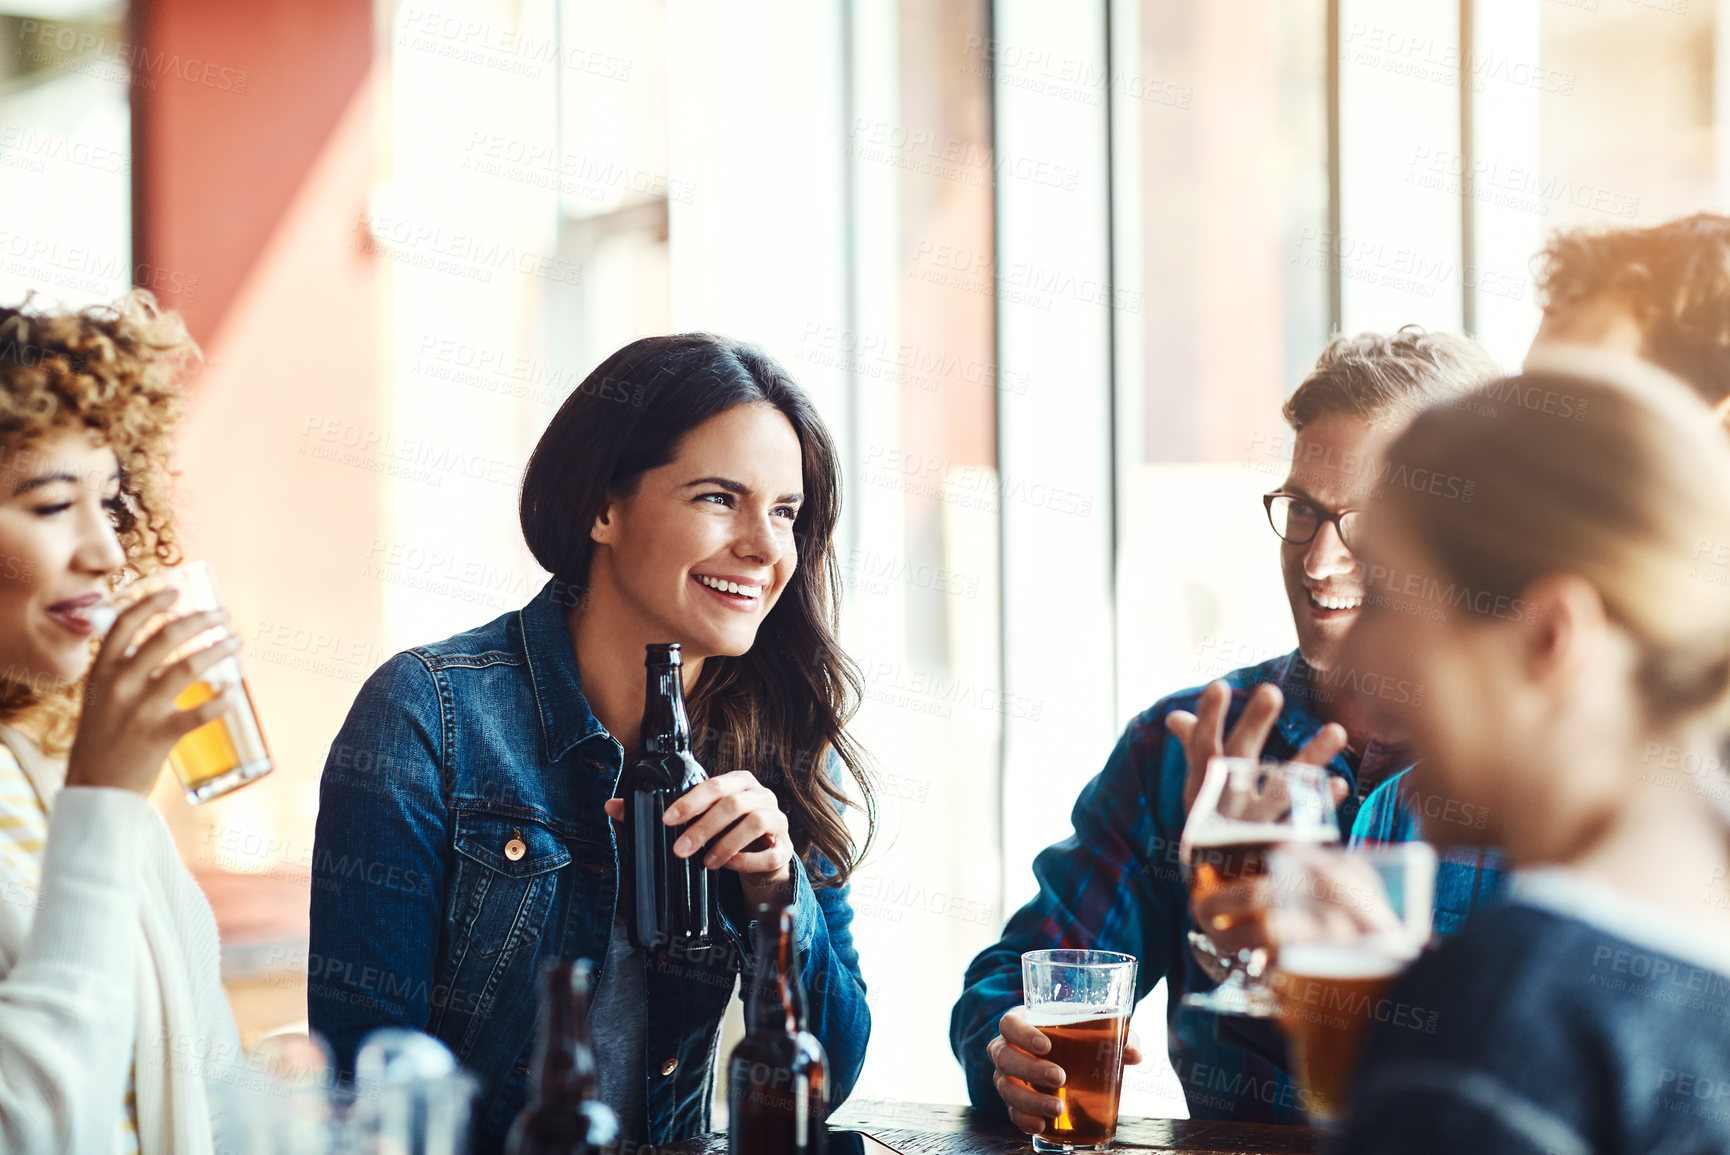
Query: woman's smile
x=733, y=591
x=78, y=615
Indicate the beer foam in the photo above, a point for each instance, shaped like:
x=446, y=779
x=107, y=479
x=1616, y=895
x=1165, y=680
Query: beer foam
x=1068, y=1014
x=1224, y=832
x=1330, y=961
x=101, y=618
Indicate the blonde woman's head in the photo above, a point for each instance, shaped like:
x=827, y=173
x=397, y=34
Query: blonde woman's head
x=1548, y=572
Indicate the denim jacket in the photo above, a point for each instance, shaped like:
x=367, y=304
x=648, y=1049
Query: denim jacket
x=462, y=842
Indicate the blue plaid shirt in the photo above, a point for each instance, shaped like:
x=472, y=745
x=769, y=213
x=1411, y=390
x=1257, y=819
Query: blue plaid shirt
x=1116, y=884
x=1465, y=878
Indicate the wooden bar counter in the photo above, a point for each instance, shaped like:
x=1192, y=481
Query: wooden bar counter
x=923, y=1129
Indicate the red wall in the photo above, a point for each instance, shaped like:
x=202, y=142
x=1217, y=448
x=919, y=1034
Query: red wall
x=232, y=101
x=253, y=133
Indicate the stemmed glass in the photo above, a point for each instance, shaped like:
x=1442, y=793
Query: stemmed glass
x=1245, y=809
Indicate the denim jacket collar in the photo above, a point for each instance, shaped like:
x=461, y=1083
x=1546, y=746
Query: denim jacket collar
x=566, y=720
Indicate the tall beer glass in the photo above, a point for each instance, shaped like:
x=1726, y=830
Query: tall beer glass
x=227, y=752
x=1081, y=1001
x=1348, y=923
x=1246, y=808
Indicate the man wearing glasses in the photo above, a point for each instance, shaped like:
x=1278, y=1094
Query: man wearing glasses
x=1117, y=884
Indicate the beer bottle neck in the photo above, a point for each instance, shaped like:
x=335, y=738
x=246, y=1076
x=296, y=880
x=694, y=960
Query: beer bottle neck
x=564, y=1067
x=666, y=729
x=779, y=1004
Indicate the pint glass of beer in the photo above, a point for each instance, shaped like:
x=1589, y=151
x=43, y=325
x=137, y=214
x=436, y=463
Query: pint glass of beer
x=1246, y=808
x=1081, y=1000
x=1348, y=923
x=227, y=752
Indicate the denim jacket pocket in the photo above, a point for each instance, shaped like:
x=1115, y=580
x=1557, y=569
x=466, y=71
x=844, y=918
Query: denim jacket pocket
x=500, y=898
x=510, y=843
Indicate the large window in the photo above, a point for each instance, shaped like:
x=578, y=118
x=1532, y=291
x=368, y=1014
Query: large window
x=921, y=558
x=1223, y=225
x=1585, y=115
x=648, y=160
x=1286, y=171
x=66, y=153
x=1048, y=272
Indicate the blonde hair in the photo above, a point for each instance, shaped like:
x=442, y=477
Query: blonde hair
x=1617, y=473
x=117, y=370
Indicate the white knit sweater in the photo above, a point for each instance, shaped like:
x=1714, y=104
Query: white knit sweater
x=115, y=962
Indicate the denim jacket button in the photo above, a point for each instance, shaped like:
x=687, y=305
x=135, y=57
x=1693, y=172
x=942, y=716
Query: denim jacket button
x=669, y=1066
x=514, y=849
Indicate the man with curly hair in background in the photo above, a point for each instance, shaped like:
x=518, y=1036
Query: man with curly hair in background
x=1660, y=293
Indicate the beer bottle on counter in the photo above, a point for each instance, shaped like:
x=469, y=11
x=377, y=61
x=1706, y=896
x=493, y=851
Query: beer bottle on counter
x=777, y=1076
x=563, y=1116
x=666, y=897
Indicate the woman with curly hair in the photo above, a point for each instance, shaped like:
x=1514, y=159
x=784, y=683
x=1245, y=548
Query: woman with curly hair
x=108, y=951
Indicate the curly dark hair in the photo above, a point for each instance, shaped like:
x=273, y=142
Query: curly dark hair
x=118, y=370
x=1672, y=278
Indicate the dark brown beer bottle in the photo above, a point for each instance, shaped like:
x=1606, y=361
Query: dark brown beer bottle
x=666, y=897
x=563, y=1116
x=777, y=1077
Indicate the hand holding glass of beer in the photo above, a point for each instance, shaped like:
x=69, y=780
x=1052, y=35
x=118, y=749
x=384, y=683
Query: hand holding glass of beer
x=1081, y=1000
x=228, y=752
x=1346, y=924
x=1244, y=809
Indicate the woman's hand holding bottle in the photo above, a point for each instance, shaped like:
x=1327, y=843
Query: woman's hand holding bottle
x=740, y=823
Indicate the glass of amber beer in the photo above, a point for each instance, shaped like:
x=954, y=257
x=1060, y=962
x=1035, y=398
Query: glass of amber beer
x=1081, y=1001
x=1246, y=808
x=1348, y=922
x=227, y=752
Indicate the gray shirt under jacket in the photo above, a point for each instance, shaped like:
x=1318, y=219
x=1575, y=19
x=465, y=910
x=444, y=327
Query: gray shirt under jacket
x=619, y=1026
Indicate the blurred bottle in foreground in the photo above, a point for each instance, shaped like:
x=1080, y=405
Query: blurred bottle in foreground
x=564, y=1115
x=777, y=1077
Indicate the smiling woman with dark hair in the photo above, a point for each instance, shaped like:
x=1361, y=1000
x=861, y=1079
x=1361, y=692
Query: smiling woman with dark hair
x=686, y=492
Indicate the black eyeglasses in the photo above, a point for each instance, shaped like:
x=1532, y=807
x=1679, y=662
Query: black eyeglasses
x=1297, y=520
